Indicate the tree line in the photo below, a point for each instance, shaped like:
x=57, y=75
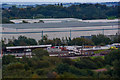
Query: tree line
x=82, y=11
x=97, y=40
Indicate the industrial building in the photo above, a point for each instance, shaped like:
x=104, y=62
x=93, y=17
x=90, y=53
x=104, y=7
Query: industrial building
x=19, y=51
x=60, y=51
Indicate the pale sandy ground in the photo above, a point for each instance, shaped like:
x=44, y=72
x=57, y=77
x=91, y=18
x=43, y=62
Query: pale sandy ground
x=52, y=35
x=37, y=36
x=101, y=20
x=57, y=29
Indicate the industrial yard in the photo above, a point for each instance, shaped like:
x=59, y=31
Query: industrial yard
x=60, y=40
x=60, y=51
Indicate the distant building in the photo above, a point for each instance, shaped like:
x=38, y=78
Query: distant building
x=49, y=20
x=19, y=51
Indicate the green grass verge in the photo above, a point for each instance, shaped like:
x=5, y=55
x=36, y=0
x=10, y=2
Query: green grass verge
x=92, y=57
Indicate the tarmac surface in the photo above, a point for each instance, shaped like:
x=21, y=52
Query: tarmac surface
x=58, y=25
x=60, y=30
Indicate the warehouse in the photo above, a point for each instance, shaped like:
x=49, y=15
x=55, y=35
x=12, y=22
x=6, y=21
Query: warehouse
x=19, y=51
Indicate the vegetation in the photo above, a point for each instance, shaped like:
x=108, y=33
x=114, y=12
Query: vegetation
x=99, y=51
x=40, y=53
x=100, y=39
x=82, y=11
x=44, y=66
x=6, y=20
x=114, y=55
x=24, y=21
x=41, y=65
x=93, y=57
x=81, y=41
x=112, y=17
x=0, y=68
x=95, y=40
x=21, y=41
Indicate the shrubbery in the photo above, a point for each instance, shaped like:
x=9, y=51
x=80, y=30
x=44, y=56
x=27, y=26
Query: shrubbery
x=41, y=66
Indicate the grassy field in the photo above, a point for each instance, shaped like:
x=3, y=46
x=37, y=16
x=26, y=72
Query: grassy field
x=92, y=57
x=99, y=51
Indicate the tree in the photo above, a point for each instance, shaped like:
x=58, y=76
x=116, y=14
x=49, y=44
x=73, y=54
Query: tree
x=45, y=40
x=57, y=42
x=82, y=64
x=52, y=75
x=61, y=4
x=82, y=11
x=8, y=59
x=100, y=39
x=81, y=41
x=24, y=21
x=41, y=21
x=116, y=38
x=6, y=20
x=24, y=41
x=40, y=53
x=68, y=61
x=113, y=55
x=61, y=68
x=35, y=76
x=68, y=75
x=15, y=66
x=41, y=71
x=116, y=68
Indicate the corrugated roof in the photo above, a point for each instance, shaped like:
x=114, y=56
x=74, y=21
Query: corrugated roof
x=35, y=46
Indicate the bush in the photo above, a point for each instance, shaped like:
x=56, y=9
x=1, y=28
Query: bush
x=67, y=75
x=80, y=72
x=116, y=68
x=40, y=53
x=52, y=75
x=68, y=61
x=13, y=66
x=39, y=64
x=61, y=68
x=41, y=71
x=75, y=71
x=113, y=55
x=52, y=60
x=8, y=59
x=86, y=64
x=100, y=62
x=42, y=64
x=24, y=21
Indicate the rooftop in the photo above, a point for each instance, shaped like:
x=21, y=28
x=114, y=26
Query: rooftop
x=26, y=47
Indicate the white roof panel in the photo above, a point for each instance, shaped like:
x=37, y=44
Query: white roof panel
x=35, y=46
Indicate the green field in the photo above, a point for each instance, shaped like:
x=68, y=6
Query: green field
x=92, y=57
